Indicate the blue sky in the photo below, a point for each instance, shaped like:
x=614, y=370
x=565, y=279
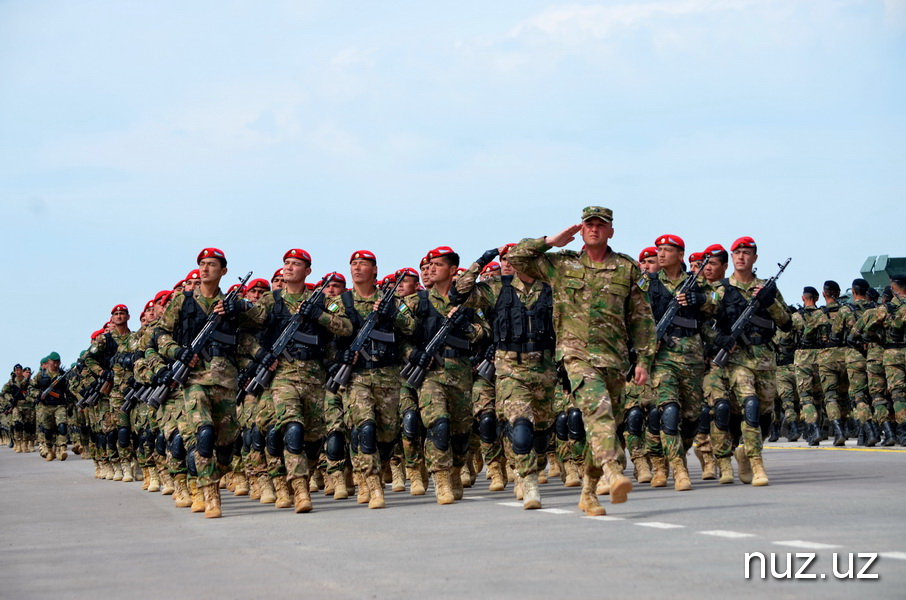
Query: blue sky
x=134, y=134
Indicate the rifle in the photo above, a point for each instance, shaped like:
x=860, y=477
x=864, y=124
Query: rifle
x=131, y=398
x=486, y=368
x=262, y=373
x=415, y=373
x=341, y=377
x=742, y=322
x=673, y=308
x=17, y=395
x=179, y=371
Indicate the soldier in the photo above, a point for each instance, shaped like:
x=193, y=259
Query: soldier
x=444, y=396
x=210, y=390
x=832, y=359
x=679, y=363
x=521, y=313
x=337, y=438
x=874, y=336
x=277, y=280
x=49, y=391
x=695, y=261
x=752, y=362
x=892, y=316
x=100, y=360
x=193, y=280
x=255, y=289
x=855, y=353
x=14, y=393
x=806, y=324
x=597, y=313
x=425, y=269
x=296, y=392
x=372, y=394
x=786, y=405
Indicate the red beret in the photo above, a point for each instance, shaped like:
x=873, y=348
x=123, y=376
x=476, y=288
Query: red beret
x=491, y=266
x=335, y=277
x=506, y=250
x=180, y=284
x=744, y=242
x=425, y=260
x=696, y=256
x=363, y=254
x=164, y=295
x=407, y=271
x=210, y=253
x=97, y=333
x=310, y=286
x=298, y=253
x=258, y=283
x=235, y=286
x=714, y=249
x=148, y=305
x=277, y=273
x=460, y=271
x=119, y=307
x=391, y=279
x=647, y=253
x=670, y=240
x=193, y=274
x=440, y=251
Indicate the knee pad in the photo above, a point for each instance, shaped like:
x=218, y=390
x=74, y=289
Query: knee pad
x=354, y=437
x=541, y=440
x=487, y=427
x=177, y=447
x=336, y=446
x=704, y=419
x=385, y=449
x=635, y=420
x=274, y=442
x=257, y=440
x=160, y=444
x=101, y=440
x=190, y=462
x=293, y=437
x=313, y=449
x=560, y=427
x=575, y=425
x=670, y=419
x=688, y=428
x=204, y=441
x=368, y=437
x=61, y=429
x=224, y=454
x=111, y=439
x=654, y=422
x=751, y=409
x=247, y=440
x=460, y=443
x=722, y=414
x=412, y=425
x=522, y=436
x=138, y=439
x=439, y=434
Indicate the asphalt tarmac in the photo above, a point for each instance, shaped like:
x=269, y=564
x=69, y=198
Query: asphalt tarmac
x=64, y=534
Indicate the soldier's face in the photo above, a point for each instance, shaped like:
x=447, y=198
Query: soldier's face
x=119, y=318
x=715, y=270
x=179, y=288
x=506, y=268
x=254, y=294
x=669, y=256
x=490, y=274
x=407, y=286
x=334, y=289
x=441, y=270
x=143, y=319
x=596, y=232
x=695, y=266
x=210, y=270
x=295, y=270
x=744, y=259
x=27, y=373
x=362, y=271
x=191, y=285
x=649, y=265
x=277, y=283
x=17, y=372
x=53, y=365
x=426, y=274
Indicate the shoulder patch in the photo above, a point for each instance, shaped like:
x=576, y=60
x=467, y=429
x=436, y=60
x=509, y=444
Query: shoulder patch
x=334, y=307
x=480, y=313
x=403, y=308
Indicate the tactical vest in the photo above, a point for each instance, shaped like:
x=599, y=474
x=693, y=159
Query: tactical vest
x=110, y=350
x=381, y=346
x=429, y=323
x=786, y=349
x=811, y=336
x=686, y=321
x=309, y=341
x=832, y=335
x=896, y=337
x=760, y=328
x=192, y=320
x=521, y=329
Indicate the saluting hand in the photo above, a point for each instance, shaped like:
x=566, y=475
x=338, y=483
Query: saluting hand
x=641, y=375
x=564, y=237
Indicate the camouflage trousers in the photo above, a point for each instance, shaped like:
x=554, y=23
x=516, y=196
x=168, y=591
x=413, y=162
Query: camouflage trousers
x=678, y=379
x=115, y=419
x=895, y=371
x=297, y=396
x=877, y=383
x=374, y=395
x=54, y=421
x=413, y=453
x=745, y=383
x=598, y=393
x=786, y=394
x=445, y=394
x=525, y=390
x=808, y=384
x=639, y=446
x=832, y=372
x=484, y=399
x=212, y=405
x=567, y=450
x=335, y=423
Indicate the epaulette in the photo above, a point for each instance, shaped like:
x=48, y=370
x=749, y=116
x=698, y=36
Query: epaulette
x=627, y=257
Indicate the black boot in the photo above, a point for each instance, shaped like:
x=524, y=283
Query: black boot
x=890, y=436
x=901, y=434
x=839, y=437
x=873, y=435
x=860, y=439
x=792, y=433
x=813, y=434
x=775, y=432
x=851, y=428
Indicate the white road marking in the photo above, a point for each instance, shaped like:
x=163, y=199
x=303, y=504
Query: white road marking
x=513, y=504
x=726, y=534
x=555, y=511
x=806, y=545
x=605, y=518
x=659, y=525
x=895, y=555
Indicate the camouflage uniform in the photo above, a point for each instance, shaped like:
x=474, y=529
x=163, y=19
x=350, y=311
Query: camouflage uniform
x=892, y=316
x=786, y=408
x=855, y=355
x=100, y=361
x=53, y=420
x=873, y=334
x=16, y=391
x=808, y=383
x=832, y=360
x=597, y=311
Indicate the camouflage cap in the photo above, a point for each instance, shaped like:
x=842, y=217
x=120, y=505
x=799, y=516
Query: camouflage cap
x=597, y=212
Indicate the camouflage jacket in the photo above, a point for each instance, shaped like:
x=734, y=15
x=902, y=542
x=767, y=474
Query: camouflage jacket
x=598, y=308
